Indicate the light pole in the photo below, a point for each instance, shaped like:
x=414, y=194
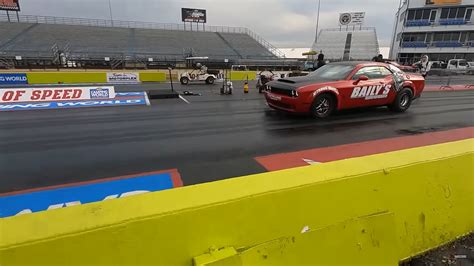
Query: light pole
x=110, y=11
x=317, y=22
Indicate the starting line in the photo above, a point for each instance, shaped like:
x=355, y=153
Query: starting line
x=121, y=99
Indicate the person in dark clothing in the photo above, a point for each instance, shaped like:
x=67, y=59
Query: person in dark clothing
x=321, y=61
x=378, y=58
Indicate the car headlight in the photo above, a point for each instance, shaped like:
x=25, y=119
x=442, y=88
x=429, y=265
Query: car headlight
x=294, y=93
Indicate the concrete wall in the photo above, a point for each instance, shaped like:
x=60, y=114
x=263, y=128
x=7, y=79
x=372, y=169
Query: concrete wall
x=373, y=210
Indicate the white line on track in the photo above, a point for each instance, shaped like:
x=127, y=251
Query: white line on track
x=182, y=98
x=147, y=100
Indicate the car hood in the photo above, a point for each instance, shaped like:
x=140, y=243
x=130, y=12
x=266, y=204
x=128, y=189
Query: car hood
x=296, y=82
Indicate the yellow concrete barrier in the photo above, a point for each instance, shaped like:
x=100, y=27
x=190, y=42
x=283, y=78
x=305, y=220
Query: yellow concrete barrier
x=66, y=77
x=243, y=75
x=152, y=76
x=373, y=210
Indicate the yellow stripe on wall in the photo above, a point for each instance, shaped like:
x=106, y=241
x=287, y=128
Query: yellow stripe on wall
x=66, y=77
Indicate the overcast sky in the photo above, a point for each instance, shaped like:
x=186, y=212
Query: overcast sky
x=290, y=23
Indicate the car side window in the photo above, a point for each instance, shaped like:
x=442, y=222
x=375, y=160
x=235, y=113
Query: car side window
x=370, y=72
x=385, y=72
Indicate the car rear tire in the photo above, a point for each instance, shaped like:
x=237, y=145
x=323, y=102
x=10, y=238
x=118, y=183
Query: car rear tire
x=184, y=81
x=210, y=80
x=402, y=101
x=323, y=106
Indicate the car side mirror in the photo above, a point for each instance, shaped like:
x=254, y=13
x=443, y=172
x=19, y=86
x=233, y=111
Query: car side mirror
x=361, y=78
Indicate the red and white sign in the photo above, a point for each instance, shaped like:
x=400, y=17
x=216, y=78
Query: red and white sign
x=51, y=94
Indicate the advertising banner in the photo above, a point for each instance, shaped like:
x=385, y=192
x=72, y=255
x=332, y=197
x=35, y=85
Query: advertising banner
x=85, y=193
x=123, y=77
x=351, y=19
x=193, y=15
x=121, y=99
x=10, y=5
x=13, y=78
x=18, y=95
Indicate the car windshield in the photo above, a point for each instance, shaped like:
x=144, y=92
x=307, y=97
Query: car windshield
x=395, y=69
x=332, y=72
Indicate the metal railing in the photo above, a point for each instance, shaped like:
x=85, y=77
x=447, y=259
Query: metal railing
x=139, y=25
x=417, y=23
x=437, y=44
x=350, y=28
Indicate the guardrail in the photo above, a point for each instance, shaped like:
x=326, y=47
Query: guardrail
x=142, y=25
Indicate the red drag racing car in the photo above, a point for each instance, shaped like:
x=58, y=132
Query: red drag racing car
x=345, y=85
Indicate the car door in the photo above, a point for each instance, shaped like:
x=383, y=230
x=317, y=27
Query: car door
x=372, y=92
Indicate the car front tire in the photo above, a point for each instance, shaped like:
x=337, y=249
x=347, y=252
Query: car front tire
x=323, y=106
x=402, y=101
x=184, y=81
x=210, y=80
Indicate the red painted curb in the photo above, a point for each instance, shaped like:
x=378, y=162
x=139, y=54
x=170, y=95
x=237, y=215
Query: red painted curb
x=328, y=154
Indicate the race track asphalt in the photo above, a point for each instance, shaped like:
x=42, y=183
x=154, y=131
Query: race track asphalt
x=214, y=137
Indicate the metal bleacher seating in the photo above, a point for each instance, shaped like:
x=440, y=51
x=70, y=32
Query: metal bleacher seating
x=99, y=38
x=8, y=33
x=245, y=45
x=331, y=43
x=363, y=43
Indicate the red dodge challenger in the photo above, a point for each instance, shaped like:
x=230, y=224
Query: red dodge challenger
x=345, y=85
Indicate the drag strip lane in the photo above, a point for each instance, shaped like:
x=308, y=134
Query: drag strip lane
x=213, y=138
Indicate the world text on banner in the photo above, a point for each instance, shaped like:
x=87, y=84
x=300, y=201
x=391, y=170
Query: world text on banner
x=13, y=78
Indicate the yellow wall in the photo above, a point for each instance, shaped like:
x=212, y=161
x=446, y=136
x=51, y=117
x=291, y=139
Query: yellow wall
x=370, y=210
x=243, y=75
x=66, y=77
x=152, y=76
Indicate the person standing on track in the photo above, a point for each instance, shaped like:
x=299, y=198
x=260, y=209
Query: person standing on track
x=423, y=65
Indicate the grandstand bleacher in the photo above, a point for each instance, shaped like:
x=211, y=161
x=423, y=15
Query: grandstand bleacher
x=80, y=38
x=341, y=44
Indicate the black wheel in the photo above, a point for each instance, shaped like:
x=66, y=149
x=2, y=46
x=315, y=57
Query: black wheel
x=323, y=106
x=210, y=80
x=184, y=80
x=402, y=101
